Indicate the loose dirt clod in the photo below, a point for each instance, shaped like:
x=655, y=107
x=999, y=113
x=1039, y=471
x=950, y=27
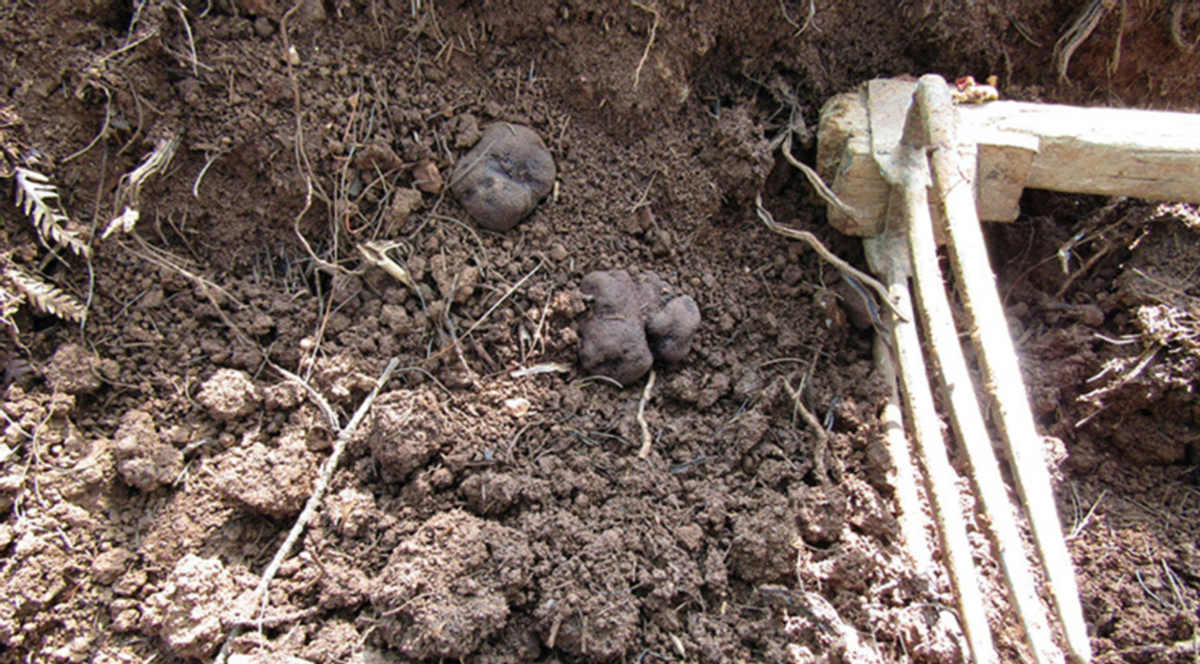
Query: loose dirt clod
x=632, y=323
x=229, y=394
x=73, y=370
x=143, y=459
x=504, y=176
x=187, y=613
x=273, y=481
x=448, y=587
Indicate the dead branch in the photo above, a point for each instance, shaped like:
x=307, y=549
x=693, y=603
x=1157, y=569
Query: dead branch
x=314, y=502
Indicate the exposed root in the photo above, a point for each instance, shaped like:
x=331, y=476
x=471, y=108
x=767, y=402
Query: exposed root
x=812, y=241
x=1078, y=33
x=1177, y=28
x=822, y=450
x=814, y=179
x=637, y=73
x=808, y=20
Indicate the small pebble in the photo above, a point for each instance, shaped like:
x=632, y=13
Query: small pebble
x=264, y=27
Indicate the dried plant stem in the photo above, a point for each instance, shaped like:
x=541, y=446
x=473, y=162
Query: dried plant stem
x=314, y=501
x=647, y=438
x=100, y=134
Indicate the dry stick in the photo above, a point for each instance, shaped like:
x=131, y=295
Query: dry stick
x=314, y=501
x=647, y=438
x=1002, y=370
x=959, y=390
x=927, y=432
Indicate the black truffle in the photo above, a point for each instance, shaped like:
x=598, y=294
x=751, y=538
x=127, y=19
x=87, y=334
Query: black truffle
x=503, y=177
x=632, y=322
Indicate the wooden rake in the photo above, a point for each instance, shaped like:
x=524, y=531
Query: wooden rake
x=899, y=151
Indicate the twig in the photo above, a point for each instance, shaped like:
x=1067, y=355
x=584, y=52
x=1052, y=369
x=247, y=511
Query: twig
x=647, y=438
x=208, y=161
x=300, y=154
x=195, y=61
x=275, y=622
x=587, y=380
x=314, y=502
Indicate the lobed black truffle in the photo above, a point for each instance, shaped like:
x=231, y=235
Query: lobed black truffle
x=631, y=323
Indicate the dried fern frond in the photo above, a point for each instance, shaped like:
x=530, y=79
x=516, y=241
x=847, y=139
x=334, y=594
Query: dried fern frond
x=45, y=297
x=124, y=222
x=10, y=302
x=35, y=195
x=129, y=189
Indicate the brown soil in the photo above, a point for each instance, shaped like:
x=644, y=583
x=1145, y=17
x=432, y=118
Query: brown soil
x=154, y=460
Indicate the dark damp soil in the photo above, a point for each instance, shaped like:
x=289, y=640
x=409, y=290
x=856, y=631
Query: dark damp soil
x=491, y=506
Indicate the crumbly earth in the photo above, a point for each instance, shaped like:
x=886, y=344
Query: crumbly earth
x=490, y=504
